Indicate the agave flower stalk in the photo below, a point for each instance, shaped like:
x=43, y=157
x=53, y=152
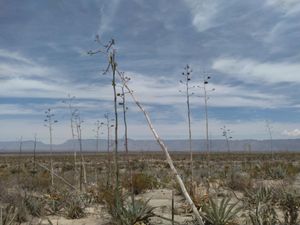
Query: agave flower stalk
x=187, y=78
x=49, y=122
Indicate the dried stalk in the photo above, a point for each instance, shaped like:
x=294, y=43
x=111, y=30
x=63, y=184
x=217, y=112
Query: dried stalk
x=59, y=177
x=165, y=150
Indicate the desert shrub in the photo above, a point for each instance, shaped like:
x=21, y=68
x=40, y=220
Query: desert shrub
x=289, y=203
x=54, y=202
x=95, y=194
x=74, y=207
x=258, y=195
x=67, y=167
x=70, y=204
x=277, y=172
x=163, y=178
x=263, y=214
x=139, y=165
x=292, y=169
x=4, y=174
x=42, y=181
x=274, y=170
x=257, y=171
x=21, y=211
x=141, y=182
x=8, y=215
x=22, y=205
x=15, y=170
x=261, y=202
x=34, y=205
x=239, y=181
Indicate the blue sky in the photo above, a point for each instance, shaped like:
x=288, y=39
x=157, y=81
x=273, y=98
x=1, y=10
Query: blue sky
x=250, y=48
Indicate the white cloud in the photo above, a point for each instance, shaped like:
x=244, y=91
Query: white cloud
x=241, y=129
x=251, y=70
x=292, y=133
x=203, y=12
x=14, y=56
x=240, y=96
x=20, y=87
x=17, y=65
x=288, y=6
x=162, y=90
x=14, y=109
x=107, y=13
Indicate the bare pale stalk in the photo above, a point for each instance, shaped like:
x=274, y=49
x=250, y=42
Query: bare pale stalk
x=113, y=67
x=168, y=158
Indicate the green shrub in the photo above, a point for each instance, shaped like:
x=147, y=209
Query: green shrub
x=239, y=181
x=141, y=182
x=74, y=207
x=277, y=172
x=289, y=204
x=34, y=205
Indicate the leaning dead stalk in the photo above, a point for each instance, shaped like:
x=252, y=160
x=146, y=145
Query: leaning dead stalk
x=168, y=157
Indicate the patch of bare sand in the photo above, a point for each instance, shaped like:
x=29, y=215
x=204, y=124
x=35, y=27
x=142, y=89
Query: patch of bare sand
x=161, y=199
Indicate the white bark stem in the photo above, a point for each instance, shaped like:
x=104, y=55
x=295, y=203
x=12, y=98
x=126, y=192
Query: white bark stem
x=168, y=157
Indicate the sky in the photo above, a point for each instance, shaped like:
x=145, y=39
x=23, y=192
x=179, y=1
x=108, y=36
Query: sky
x=250, y=49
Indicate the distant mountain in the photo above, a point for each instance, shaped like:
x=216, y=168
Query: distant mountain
x=89, y=145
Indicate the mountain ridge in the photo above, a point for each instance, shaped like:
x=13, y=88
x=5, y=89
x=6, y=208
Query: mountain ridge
x=89, y=145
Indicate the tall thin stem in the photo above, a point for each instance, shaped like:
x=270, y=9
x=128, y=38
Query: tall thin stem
x=113, y=67
x=51, y=155
x=49, y=123
x=187, y=76
x=206, y=122
x=271, y=138
x=19, y=161
x=34, y=155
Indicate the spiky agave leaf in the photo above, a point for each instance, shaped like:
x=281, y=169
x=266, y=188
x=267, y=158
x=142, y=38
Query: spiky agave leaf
x=133, y=212
x=220, y=213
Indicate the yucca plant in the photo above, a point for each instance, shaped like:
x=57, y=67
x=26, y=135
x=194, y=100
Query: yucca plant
x=259, y=195
x=263, y=214
x=289, y=204
x=220, y=213
x=8, y=215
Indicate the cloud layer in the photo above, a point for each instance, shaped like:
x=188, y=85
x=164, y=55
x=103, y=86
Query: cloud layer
x=250, y=48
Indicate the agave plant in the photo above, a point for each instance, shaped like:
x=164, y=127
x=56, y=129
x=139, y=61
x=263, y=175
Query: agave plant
x=220, y=213
x=133, y=213
x=277, y=172
x=34, y=205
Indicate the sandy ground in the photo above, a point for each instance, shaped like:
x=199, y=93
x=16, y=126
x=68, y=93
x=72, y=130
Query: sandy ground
x=161, y=199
